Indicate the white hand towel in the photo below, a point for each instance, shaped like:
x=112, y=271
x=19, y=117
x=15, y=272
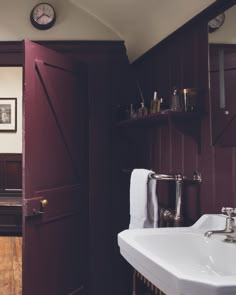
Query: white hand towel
x=143, y=200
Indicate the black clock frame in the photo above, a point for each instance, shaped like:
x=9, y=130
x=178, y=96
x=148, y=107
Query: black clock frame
x=42, y=26
x=213, y=29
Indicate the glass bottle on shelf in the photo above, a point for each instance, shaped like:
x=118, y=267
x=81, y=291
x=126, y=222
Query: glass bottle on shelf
x=132, y=112
x=163, y=105
x=155, y=104
x=142, y=111
x=175, y=104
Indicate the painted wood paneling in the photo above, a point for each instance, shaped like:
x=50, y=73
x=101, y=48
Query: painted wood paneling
x=172, y=151
x=10, y=172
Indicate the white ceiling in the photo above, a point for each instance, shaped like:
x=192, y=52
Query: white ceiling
x=142, y=23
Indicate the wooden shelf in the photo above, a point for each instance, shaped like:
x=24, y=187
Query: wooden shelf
x=189, y=123
x=166, y=117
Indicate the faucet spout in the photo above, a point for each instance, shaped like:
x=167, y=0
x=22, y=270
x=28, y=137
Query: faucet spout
x=229, y=230
x=222, y=231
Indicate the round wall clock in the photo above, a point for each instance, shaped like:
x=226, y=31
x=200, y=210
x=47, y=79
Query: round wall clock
x=43, y=16
x=216, y=23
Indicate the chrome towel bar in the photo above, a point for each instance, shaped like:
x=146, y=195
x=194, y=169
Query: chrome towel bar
x=177, y=177
x=176, y=216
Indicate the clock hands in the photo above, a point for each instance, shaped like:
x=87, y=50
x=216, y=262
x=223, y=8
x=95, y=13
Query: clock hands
x=43, y=14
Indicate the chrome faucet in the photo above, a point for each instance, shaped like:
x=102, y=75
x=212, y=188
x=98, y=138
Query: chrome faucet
x=230, y=227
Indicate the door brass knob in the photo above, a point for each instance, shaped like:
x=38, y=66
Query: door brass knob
x=44, y=203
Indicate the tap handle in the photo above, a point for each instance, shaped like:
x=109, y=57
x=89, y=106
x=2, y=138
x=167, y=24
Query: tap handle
x=197, y=176
x=228, y=210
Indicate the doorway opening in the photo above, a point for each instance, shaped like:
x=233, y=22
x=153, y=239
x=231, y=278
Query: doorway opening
x=11, y=180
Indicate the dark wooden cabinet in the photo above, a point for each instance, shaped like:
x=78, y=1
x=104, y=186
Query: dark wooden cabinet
x=10, y=194
x=10, y=215
x=222, y=93
x=10, y=173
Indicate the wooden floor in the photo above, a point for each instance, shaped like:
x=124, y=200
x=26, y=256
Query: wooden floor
x=10, y=265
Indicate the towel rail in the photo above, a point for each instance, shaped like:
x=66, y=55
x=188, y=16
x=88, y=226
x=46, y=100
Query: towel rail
x=176, y=217
x=177, y=177
x=197, y=177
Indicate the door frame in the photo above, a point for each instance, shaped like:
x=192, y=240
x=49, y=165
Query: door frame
x=12, y=52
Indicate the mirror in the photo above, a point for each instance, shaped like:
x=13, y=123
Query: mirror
x=222, y=75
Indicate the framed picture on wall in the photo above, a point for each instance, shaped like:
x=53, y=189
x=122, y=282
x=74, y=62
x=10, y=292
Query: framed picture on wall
x=8, y=115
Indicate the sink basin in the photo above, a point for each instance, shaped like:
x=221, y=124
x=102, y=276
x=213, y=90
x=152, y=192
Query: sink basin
x=181, y=261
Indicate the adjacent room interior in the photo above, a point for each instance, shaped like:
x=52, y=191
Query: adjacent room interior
x=11, y=86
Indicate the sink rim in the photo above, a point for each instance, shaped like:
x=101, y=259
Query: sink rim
x=180, y=279
x=166, y=264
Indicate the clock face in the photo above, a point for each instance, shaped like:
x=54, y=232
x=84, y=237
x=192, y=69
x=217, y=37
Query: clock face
x=216, y=22
x=43, y=16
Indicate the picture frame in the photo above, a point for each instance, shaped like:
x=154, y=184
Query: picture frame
x=8, y=114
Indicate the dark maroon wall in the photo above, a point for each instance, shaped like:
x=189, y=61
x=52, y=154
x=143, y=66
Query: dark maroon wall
x=182, y=60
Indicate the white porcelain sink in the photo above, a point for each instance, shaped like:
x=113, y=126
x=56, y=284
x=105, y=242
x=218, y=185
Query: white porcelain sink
x=181, y=261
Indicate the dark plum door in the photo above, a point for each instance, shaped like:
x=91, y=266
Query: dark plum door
x=54, y=207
